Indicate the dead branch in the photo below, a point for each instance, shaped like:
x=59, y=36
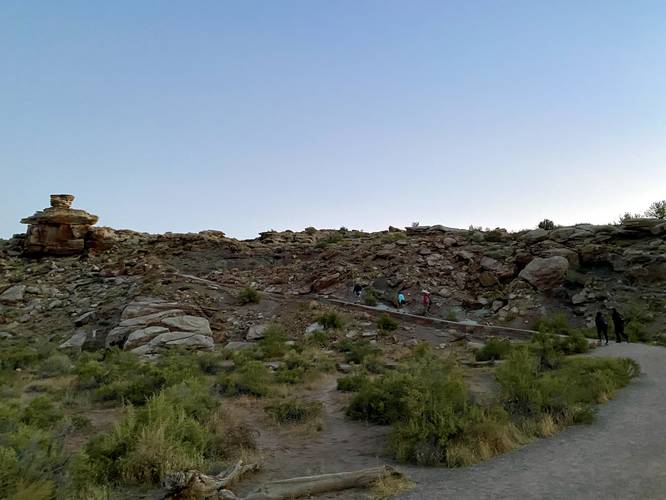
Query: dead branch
x=324, y=483
x=195, y=484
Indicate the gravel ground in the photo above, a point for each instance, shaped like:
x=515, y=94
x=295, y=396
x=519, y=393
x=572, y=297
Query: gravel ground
x=622, y=455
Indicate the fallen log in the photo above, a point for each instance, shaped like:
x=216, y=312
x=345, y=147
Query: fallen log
x=323, y=483
x=195, y=484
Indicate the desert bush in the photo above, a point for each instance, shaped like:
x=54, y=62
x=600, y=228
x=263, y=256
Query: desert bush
x=638, y=318
x=518, y=379
x=231, y=433
x=384, y=400
x=249, y=295
x=55, y=365
x=329, y=239
x=147, y=444
x=293, y=369
x=293, y=411
x=554, y=323
x=546, y=224
x=657, y=210
x=451, y=315
x=352, y=383
x=273, y=344
x=386, y=323
x=438, y=411
x=42, y=413
x=565, y=393
x=18, y=354
x=392, y=237
x=251, y=378
x=194, y=397
x=371, y=296
x=30, y=448
x=331, y=320
x=311, y=230
x=493, y=350
x=358, y=351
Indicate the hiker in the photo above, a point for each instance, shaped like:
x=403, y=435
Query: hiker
x=401, y=299
x=358, y=290
x=602, y=326
x=618, y=326
x=427, y=301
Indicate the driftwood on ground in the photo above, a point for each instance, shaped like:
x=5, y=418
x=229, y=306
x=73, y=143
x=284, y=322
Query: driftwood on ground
x=193, y=484
x=323, y=483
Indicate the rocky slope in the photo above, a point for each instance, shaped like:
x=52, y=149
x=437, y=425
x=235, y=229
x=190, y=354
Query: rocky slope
x=492, y=277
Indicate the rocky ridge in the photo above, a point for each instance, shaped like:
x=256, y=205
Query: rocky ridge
x=480, y=276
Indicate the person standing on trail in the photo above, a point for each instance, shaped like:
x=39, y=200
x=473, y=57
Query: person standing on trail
x=401, y=299
x=427, y=301
x=358, y=290
x=618, y=326
x=602, y=326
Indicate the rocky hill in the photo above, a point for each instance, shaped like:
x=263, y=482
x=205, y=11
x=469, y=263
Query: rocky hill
x=493, y=277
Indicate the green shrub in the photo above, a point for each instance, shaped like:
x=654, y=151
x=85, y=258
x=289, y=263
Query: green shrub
x=17, y=354
x=55, y=365
x=331, y=320
x=294, y=411
x=493, y=350
x=384, y=400
x=358, y=351
x=251, y=378
x=211, y=363
x=194, y=397
x=546, y=224
x=451, y=315
x=135, y=387
x=273, y=345
x=370, y=297
x=30, y=459
x=249, y=295
x=42, y=413
x=565, y=393
x=147, y=444
x=546, y=348
x=330, y=239
x=518, y=378
x=352, y=383
x=386, y=323
x=554, y=323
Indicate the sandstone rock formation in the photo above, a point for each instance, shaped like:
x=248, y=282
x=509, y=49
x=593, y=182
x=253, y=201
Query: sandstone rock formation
x=150, y=325
x=59, y=229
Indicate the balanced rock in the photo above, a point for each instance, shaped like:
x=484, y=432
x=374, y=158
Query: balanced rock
x=545, y=274
x=59, y=229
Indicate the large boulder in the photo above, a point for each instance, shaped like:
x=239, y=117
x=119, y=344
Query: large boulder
x=545, y=273
x=13, y=294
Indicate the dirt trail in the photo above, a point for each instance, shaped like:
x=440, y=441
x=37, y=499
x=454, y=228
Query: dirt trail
x=622, y=455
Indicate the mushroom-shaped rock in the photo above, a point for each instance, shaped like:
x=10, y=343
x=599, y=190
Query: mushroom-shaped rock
x=59, y=229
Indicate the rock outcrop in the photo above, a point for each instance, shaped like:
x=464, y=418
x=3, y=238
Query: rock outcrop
x=545, y=274
x=148, y=326
x=59, y=229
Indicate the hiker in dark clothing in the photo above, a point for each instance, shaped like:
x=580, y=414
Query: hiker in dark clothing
x=358, y=290
x=602, y=326
x=618, y=326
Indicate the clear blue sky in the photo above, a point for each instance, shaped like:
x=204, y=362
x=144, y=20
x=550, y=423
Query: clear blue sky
x=250, y=115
